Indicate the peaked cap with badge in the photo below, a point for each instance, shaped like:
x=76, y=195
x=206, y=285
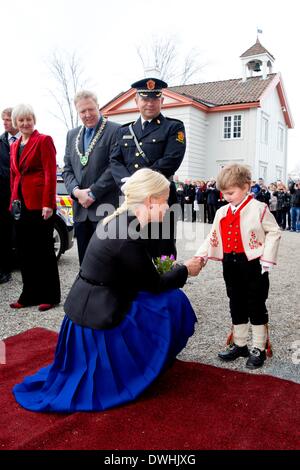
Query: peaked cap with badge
x=149, y=87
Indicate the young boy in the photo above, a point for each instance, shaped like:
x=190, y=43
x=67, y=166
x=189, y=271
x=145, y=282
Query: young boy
x=245, y=237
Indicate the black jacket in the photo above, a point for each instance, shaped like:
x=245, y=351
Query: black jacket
x=189, y=191
x=95, y=175
x=115, y=268
x=295, y=195
x=4, y=172
x=212, y=195
x=163, y=142
x=282, y=200
x=263, y=196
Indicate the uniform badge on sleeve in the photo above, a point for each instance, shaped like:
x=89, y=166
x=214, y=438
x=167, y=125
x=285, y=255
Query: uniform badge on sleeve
x=180, y=137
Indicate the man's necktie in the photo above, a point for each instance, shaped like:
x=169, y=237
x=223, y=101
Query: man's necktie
x=12, y=139
x=88, y=137
x=146, y=123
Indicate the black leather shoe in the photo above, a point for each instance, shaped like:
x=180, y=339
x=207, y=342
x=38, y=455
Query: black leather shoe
x=256, y=358
x=233, y=352
x=4, y=277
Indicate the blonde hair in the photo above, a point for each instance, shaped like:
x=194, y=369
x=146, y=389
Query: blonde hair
x=22, y=110
x=85, y=95
x=234, y=175
x=142, y=184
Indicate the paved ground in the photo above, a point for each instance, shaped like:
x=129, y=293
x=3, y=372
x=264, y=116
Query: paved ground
x=208, y=297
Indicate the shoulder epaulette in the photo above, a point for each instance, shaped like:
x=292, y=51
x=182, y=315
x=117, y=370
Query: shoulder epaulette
x=173, y=119
x=127, y=124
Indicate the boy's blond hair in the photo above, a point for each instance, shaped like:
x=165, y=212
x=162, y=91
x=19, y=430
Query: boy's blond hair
x=234, y=175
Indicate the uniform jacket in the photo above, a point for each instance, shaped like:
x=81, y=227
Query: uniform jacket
x=259, y=231
x=95, y=175
x=115, y=268
x=4, y=172
x=163, y=142
x=34, y=174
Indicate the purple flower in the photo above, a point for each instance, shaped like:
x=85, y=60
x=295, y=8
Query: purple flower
x=163, y=258
x=172, y=258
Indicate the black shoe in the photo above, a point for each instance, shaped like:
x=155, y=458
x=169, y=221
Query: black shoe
x=4, y=277
x=233, y=352
x=256, y=358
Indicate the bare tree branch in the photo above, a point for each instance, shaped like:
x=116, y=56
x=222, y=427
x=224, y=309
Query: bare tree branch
x=67, y=72
x=163, y=53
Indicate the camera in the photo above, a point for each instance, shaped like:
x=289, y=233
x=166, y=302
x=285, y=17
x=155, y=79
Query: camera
x=16, y=209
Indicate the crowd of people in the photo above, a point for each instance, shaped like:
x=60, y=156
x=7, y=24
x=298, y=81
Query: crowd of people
x=199, y=200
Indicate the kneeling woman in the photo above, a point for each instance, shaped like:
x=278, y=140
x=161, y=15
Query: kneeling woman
x=124, y=322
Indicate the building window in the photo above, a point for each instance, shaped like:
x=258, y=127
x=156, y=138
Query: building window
x=263, y=171
x=232, y=127
x=278, y=173
x=264, y=130
x=280, y=138
x=237, y=126
x=227, y=127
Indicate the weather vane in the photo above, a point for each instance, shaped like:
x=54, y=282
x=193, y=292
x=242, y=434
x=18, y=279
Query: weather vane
x=259, y=31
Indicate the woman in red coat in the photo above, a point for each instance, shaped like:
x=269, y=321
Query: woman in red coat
x=33, y=203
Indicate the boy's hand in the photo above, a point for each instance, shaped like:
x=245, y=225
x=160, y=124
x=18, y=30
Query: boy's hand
x=202, y=260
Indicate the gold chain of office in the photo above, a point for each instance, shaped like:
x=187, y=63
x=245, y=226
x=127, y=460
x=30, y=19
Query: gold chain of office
x=85, y=158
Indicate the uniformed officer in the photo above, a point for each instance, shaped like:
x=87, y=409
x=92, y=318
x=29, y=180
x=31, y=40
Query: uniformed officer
x=153, y=141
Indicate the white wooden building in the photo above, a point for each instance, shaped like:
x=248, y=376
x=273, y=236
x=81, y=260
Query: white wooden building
x=238, y=120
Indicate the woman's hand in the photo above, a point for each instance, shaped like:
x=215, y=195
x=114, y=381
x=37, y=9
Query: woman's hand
x=194, y=266
x=47, y=213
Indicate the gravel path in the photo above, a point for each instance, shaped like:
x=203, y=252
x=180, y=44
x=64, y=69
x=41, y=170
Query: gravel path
x=208, y=297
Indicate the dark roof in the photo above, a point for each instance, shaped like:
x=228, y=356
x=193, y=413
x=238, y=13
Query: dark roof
x=256, y=49
x=225, y=92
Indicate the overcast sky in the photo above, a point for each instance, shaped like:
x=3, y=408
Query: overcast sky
x=105, y=35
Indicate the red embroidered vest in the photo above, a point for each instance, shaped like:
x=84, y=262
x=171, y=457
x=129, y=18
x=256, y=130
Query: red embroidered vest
x=231, y=230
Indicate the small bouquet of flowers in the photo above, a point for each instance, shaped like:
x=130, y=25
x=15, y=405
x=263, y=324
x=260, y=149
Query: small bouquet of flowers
x=164, y=264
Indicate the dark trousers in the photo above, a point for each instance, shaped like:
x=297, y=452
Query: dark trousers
x=181, y=203
x=34, y=237
x=281, y=217
x=6, y=236
x=246, y=288
x=83, y=233
x=211, y=212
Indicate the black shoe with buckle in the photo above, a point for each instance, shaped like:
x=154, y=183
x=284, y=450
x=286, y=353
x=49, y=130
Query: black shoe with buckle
x=256, y=359
x=4, y=277
x=233, y=352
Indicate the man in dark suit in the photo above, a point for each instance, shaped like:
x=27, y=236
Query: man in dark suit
x=153, y=141
x=86, y=171
x=6, y=139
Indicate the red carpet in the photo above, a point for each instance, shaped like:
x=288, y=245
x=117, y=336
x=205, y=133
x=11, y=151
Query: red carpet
x=192, y=406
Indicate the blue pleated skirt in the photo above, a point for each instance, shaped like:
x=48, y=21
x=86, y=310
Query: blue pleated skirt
x=94, y=370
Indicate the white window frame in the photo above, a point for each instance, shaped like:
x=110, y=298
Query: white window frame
x=265, y=129
x=263, y=170
x=280, y=137
x=228, y=131
x=279, y=173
